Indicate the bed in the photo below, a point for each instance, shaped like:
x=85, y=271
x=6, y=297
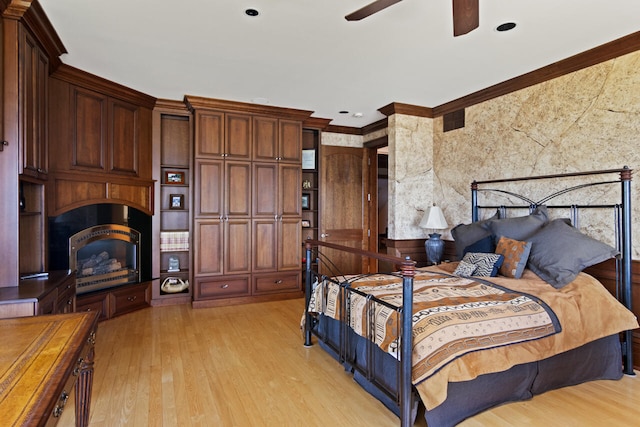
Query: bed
x=513, y=317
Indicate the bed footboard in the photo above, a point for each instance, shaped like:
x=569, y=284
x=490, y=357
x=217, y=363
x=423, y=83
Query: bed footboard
x=404, y=397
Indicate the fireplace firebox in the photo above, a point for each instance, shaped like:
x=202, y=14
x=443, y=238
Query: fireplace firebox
x=108, y=245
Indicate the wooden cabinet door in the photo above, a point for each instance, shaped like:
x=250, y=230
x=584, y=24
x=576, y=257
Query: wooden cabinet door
x=123, y=142
x=34, y=70
x=89, y=111
x=237, y=188
x=290, y=141
x=209, y=179
x=237, y=246
x=290, y=189
x=289, y=244
x=209, y=134
x=208, y=240
x=238, y=136
x=265, y=186
x=265, y=139
x=265, y=245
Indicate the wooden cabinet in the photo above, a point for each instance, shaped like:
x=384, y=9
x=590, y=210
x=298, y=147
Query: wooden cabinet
x=172, y=141
x=53, y=293
x=223, y=135
x=247, y=187
x=34, y=74
x=103, y=137
x=277, y=139
x=29, y=43
x=116, y=301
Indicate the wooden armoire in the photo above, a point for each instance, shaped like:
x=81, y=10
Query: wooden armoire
x=247, y=202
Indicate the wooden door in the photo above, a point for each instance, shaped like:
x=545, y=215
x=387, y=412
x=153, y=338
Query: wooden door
x=289, y=244
x=209, y=134
x=290, y=141
x=265, y=190
x=343, y=202
x=209, y=178
x=265, y=249
x=237, y=246
x=237, y=188
x=208, y=240
x=238, y=136
x=265, y=139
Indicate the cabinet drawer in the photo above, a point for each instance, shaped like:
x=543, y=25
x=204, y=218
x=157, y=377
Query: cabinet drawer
x=67, y=297
x=222, y=288
x=94, y=302
x=129, y=299
x=274, y=283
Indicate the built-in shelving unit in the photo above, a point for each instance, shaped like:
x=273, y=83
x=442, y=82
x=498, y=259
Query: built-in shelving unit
x=31, y=224
x=310, y=182
x=172, y=135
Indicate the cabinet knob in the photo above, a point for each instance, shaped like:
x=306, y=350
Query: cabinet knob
x=3, y=144
x=324, y=235
x=133, y=298
x=277, y=282
x=225, y=286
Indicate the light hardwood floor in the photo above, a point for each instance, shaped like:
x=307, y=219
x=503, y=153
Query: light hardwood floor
x=246, y=366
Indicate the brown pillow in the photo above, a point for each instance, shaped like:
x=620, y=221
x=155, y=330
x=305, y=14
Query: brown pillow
x=516, y=254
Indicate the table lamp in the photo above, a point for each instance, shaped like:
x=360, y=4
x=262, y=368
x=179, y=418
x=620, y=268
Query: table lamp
x=434, y=246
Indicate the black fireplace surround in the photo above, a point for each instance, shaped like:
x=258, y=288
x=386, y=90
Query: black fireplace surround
x=65, y=225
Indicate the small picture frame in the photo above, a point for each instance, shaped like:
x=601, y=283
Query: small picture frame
x=306, y=223
x=174, y=177
x=306, y=198
x=176, y=201
x=309, y=159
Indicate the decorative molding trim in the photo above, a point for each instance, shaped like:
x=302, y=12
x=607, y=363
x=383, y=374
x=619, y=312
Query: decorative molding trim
x=597, y=55
x=408, y=109
x=89, y=81
x=316, y=123
x=196, y=102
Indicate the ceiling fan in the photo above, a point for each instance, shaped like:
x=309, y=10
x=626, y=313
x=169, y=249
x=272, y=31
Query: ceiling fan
x=465, y=14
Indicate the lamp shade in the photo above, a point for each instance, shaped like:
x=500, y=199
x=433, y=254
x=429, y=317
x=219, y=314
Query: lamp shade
x=434, y=219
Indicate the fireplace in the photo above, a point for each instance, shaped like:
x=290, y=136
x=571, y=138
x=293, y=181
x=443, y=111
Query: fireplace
x=108, y=245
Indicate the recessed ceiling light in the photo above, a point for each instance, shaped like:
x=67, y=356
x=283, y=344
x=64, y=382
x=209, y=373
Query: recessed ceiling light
x=251, y=12
x=358, y=115
x=344, y=112
x=506, y=26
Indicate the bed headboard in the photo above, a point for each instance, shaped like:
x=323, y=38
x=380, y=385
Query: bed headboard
x=572, y=194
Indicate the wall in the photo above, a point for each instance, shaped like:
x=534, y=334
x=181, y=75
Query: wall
x=587, y=120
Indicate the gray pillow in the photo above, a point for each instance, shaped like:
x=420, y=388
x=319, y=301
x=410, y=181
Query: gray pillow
x=518, y=228
x=465, y=235
x=559, y=252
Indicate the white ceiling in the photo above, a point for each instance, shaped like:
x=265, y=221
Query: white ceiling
x=303, y=53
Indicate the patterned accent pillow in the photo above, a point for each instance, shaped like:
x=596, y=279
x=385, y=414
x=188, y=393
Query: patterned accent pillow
x=486, y=264
x=465, y=269
x=516, y=254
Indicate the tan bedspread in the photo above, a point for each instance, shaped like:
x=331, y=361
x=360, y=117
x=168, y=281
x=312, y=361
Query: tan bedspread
x=585, y=309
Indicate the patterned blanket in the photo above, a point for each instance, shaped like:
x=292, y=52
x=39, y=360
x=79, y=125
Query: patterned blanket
x=452, y=316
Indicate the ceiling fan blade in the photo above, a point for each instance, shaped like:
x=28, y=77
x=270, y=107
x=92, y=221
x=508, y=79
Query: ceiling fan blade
x=370, y=9
x=466, y=16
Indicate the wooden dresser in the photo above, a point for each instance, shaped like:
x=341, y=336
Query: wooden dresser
x=42, y=360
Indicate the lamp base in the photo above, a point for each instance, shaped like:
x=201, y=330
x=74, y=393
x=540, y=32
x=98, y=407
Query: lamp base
x=434, y=246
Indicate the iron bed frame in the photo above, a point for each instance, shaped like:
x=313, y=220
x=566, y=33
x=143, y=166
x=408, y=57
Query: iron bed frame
x=404, y=397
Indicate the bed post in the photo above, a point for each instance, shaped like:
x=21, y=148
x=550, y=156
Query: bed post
x=474, y=201
x=307, y=292
x=625, y=178
x=406, y=350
